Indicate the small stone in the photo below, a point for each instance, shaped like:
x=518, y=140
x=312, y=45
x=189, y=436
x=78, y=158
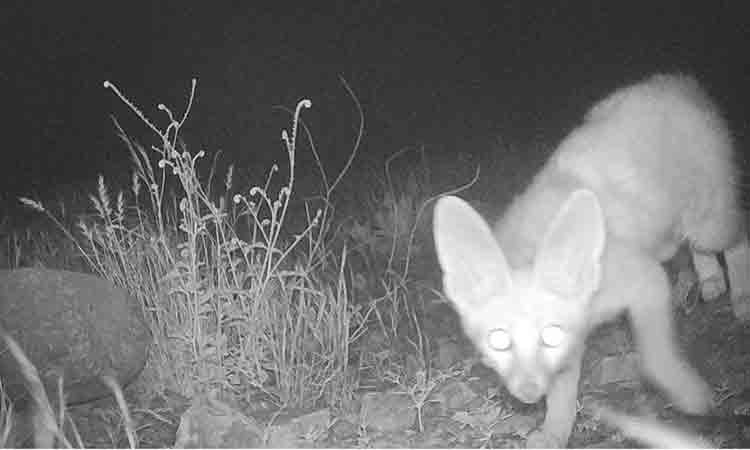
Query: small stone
x=210, y=423
x=388, y=411
x=299, y=431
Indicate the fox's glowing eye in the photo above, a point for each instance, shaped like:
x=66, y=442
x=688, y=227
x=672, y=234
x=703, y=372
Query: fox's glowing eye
x=553, y=336
x=499, y=340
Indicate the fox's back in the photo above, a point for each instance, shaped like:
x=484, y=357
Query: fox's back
x=657, y=154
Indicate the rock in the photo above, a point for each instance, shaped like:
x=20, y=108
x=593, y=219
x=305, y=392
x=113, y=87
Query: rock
x=211, y=423
x=388, y=411
x=301, y=431
x=70, y=324
x=616, y=369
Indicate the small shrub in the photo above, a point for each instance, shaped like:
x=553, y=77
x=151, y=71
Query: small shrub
x=236, y=304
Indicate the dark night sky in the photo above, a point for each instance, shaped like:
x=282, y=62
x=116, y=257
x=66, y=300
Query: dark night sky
x=447, y=75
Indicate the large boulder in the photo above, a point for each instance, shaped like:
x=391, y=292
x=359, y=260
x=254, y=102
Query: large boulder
x=74, y=324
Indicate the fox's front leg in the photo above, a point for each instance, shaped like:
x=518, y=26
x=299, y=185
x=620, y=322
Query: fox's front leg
x=651, y=320
x=562, y=399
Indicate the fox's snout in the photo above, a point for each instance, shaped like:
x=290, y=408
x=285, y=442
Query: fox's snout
x=527, y=387
x=529, y=392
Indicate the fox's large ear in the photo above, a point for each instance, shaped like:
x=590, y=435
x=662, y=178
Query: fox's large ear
x=473, y=264
x=568, y=260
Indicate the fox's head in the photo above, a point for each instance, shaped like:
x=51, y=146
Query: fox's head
x=526, y=321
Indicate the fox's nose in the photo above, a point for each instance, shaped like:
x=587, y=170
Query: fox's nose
x=529, y=392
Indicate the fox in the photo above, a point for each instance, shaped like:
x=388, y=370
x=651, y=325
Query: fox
x=650, y=168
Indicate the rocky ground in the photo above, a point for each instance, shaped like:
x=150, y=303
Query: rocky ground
x=460, y=402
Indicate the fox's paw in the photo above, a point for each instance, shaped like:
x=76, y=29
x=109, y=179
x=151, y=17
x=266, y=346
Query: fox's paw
x=540, y=439
x=741, y=306
x=693, y=395
x=713, y=287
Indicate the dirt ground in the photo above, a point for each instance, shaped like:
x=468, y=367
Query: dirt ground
x=715, y=341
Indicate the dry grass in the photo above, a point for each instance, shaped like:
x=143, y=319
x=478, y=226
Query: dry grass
x=237, y=303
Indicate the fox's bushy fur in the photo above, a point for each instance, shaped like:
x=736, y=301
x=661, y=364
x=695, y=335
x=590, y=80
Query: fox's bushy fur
x=650, y=168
